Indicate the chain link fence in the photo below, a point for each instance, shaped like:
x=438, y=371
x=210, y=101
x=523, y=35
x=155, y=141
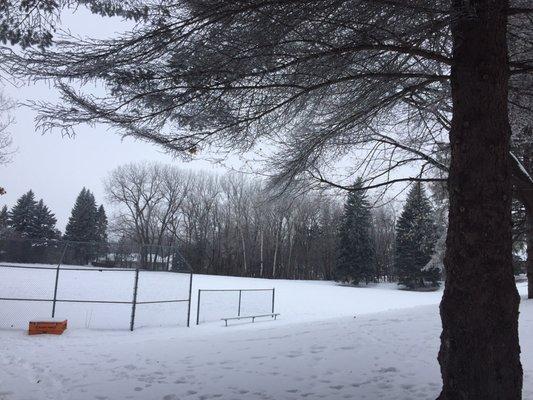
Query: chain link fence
x=214, y=304
x=93, y=285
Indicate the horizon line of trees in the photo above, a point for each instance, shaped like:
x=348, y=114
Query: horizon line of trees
x=231, y=225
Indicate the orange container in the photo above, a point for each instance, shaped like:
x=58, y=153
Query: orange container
x=47, y=326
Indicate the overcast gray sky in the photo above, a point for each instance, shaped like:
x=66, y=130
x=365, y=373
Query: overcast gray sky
x=57, y=168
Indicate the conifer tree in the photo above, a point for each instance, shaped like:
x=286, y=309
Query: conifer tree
x=415, y=241
x=356, y=252
x=101, y=224
x=82, y=224
x=22, y=215
x=4, y=222
x=44, y=223
x=4, y=217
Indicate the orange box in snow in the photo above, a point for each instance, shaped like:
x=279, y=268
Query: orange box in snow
x=51, y=326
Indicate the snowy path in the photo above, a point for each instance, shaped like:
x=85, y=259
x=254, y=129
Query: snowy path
x=386, y=355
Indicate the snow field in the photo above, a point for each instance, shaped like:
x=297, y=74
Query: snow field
x=297, y=301
x=317, y=350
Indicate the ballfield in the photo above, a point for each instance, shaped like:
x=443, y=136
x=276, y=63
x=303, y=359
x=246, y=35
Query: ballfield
x=330, y=341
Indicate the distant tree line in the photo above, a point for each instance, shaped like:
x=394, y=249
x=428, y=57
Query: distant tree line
x=231, y=224
x=225, y=224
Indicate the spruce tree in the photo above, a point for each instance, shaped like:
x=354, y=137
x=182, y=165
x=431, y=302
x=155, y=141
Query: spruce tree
x=22, y=215
x=44, y=223
x=82, y=224
x=4, y=218
x=101, y=224
x=415, y=241
x=356, y=252
x=4, y=222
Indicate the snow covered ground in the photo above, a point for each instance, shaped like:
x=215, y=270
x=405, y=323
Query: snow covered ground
x=297, y=301
x=316, y=350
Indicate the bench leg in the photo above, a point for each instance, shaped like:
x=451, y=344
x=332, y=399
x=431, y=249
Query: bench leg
x=253, y=320
x=226, y=321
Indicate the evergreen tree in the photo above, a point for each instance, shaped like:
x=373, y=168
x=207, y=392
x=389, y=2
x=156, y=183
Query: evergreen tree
x=4, y=222
x=82, y=224
x=4, y=218
x=22, y=215
x=356, y=252
x=44, y=223
x=101, y=224
x=415, y=241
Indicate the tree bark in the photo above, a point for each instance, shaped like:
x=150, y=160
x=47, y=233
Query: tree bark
x=480, y=352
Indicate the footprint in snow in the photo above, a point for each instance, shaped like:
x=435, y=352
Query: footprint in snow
x=389, y=369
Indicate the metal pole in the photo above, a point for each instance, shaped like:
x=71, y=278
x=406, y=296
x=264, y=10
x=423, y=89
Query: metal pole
x=134, y=301
x=189, y=303
x=198, y=308
x=239, y=311
x=57, y=280
x=273, y=298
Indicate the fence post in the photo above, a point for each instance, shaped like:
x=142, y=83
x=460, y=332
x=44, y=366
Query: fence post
x=189, y=304
x=198, y=308
x=57, y=280
x=134, y=301
x=273, y=298
x=239, y=310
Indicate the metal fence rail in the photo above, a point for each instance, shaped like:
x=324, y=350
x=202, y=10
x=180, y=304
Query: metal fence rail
x=273, y=290
x=11, y=254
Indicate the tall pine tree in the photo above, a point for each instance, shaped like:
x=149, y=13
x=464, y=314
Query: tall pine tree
x=30, y=220
x=4, y=223
x=415, y=241
x=82, y=224
x=22, y=215
x=356, y=252
x=101, y=224
x=44, y=222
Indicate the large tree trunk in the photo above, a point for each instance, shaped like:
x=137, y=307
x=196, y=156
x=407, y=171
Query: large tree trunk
x=480, y=353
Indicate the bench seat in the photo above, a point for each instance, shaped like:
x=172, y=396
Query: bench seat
x=252, y=317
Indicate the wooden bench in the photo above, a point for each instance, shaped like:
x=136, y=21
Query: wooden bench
x=51, y=326
x=252, y=317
